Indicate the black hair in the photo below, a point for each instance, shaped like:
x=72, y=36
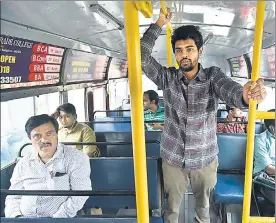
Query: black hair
x=39, y=120
x=152, y=96
x=187, y=32
x=228, y=108
x=68, y=108
x=269, y=122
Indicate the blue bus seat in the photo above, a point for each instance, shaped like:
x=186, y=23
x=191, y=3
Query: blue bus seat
x=118, y=174
x=232, y=150
x=110, y=174
x=6, y=174
x=222, y=113
x=111, y=127
x=229, y=189
x=90, y=219
x=152, y=149
x=259, y=128
x=99, y=127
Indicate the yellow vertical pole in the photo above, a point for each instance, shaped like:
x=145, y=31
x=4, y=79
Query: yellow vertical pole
x=176, y=64
x=252, y=111
x=137, y=117
x=169, y=46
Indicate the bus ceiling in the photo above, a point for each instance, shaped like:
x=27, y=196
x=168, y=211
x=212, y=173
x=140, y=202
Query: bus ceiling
x=98, y=26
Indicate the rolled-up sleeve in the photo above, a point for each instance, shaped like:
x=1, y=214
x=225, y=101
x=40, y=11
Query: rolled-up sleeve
x=79, y=176
x=159, y=74
x=12, y=204
x=227, y=90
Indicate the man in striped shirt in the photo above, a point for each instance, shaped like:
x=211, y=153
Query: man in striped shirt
x=153, y=112
x=234, y=114
x=189, y=144
x=50, y=166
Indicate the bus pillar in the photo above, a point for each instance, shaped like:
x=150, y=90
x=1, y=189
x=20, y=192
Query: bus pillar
x=137, y=111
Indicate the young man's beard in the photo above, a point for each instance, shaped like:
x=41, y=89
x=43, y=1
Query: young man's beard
x=186, y=68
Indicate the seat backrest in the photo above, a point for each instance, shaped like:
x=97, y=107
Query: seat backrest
x=152, y=149
x=114, y=174
x=222, y=113
x=6, y=174
x=111, y=127
x=259, y=128
x=110, y=174
x=232, y=150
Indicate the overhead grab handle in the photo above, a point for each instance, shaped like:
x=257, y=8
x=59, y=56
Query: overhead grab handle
x=145, y=7
x=169, y=31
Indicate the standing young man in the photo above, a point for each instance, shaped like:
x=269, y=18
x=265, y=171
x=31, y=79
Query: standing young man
x=189, y=145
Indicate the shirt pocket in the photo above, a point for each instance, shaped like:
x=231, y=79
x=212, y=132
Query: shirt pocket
x=200, y=97
x=61, y=182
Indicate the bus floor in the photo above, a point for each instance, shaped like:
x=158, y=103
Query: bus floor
x=187, y=213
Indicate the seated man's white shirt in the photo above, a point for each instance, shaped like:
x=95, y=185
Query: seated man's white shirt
x=31, y=173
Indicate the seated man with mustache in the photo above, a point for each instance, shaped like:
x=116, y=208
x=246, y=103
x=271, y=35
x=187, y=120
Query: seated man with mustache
x=50, y=166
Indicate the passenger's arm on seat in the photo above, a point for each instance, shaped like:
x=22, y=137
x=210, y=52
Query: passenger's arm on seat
x=262, y=159
x=220, y=127
x=79, y=176
x=270, y=170
x=88, y=135
x=227, y=90
x=160, y=75
x=12, y=203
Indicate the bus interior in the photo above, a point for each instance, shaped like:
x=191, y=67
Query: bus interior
x=54, y=52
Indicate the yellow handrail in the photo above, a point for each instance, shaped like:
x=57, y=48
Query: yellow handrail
x=169, y=31
x=145, y=7
x=265, y=115
x=262, y=220
x=176, y=64
x=137, y=118
x=252, y=111
x=169, y=46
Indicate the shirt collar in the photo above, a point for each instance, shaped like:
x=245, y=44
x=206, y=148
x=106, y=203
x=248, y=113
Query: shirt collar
x=70, y=130
x=269, y=135
x=200, y=74
x=59, y=154
x=159, y=109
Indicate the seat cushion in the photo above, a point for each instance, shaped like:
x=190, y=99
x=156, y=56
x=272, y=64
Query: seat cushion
x=229, y=189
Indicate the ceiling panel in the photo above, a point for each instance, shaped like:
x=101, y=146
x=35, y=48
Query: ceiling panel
x=232, y=23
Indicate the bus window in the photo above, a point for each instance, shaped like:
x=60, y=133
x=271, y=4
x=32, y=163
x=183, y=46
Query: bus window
x=76, y=97
x=46, y=103
x=147, y=84
x=269, y=102
x=14, y=115
x=99, y=101
x=121, y=89
x=117, y=93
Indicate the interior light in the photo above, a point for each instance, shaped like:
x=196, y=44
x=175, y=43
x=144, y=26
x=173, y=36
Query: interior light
x=210, y=15
x=106, y=15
